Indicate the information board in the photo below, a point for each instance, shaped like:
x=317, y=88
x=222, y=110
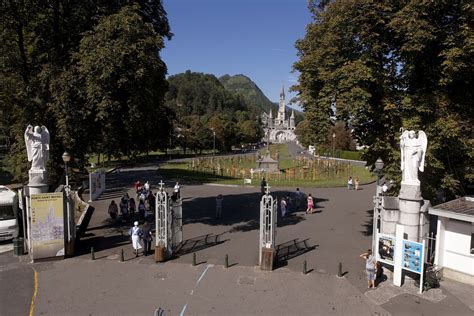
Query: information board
x=412, y=256
x=47, y=225
x=385, y=248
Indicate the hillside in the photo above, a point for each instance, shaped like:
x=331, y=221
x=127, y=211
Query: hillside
x=240, y=84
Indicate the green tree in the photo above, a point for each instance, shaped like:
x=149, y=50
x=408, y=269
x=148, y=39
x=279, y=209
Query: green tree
x=381, y=66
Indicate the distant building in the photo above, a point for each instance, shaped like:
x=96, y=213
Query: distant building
x=280, y=129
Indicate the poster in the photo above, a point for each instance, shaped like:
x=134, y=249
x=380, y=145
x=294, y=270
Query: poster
x=386, y=248
x=47, y=225
x=412, y=256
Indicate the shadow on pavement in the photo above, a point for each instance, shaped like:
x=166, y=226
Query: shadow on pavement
x=241, y=211
x=198, y=243
x=291, y=249
x=369, y=224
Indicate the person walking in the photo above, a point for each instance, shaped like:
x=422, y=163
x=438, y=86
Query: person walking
x=113, y=210
x=356, y=183
x=141, y=210
x=146, y=186
x=132, y=207
x=370, y=267
x=263, y=184
x=135, y=232
x=124, y=204
x=299, y=196
x=177, y=191
x=349, y=183
x=219, y=200
x=147, y=238
x=310, y=204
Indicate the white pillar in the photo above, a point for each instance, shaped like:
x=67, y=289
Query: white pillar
x=439, y=248
x=397, y=258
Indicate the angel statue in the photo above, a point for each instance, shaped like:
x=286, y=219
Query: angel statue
x=413, y=152
x=37, y=146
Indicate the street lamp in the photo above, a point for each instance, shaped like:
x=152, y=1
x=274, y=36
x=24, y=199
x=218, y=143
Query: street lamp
x=66, y=158
x=213, y=142
x=377, y=203
x=333, y=144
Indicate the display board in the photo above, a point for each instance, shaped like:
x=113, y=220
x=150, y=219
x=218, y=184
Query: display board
x=385, y=248
x=47, y=225
x=412, y=256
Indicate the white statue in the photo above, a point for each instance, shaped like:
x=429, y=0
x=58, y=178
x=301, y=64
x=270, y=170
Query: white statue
x=37, y=146
x=413, y=151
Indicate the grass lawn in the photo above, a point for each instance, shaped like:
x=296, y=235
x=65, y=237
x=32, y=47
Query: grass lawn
x=179, y=171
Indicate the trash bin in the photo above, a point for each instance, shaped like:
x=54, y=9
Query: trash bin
x=18, y=246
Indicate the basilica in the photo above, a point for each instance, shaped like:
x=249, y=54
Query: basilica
x=279, y=129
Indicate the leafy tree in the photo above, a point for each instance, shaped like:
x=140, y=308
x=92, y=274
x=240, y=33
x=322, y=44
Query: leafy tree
x=381, y=66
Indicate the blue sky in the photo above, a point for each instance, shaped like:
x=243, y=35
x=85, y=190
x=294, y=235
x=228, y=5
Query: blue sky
x=251, y=37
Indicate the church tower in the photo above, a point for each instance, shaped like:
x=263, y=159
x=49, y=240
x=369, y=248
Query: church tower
x=292, y=119
x=281, y=108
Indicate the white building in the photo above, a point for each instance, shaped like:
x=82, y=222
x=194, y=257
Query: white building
x=455, y=239
x=280, y=129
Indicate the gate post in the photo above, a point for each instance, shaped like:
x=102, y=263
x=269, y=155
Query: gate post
x=161, y=224
x=268, y=223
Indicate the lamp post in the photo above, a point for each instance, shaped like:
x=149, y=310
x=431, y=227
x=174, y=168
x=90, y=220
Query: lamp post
x=333, y=144
x=66, y=158
x=377, y=203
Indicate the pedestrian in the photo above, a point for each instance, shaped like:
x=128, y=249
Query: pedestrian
x=263, y=185
x=146, y=186
x=113, y=210
x=310, y=204
x=219, y=200
x=299, y=198
x=283, y=207
x=349, y=183
x=356, y=183
x=124, y=205
x=289, y=204
x=132, y=207
x=384, y=188
x=141, y=210
x=147, y=238
x=370, y=268
x=177, y=190
x=135, y=233
x=137, y=185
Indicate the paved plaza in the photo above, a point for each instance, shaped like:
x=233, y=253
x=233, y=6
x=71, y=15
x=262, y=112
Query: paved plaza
x=337, y=233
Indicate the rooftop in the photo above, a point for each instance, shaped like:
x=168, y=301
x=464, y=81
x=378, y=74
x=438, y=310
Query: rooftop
x=462, y=209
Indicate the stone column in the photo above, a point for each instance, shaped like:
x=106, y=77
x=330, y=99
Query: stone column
x=410, y=202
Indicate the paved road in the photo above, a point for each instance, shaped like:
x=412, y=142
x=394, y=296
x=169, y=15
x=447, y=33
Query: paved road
x=339, y=232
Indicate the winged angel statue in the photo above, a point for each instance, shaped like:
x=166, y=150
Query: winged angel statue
x=413, y=151
x=37, y=146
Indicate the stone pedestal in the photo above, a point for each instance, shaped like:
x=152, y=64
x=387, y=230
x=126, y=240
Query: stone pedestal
x=267, y=259
x=160, y=254
x=390, y=215
x=38, y=181
x=410, y=202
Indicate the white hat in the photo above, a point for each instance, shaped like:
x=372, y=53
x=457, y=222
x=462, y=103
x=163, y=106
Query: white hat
x=135, y=223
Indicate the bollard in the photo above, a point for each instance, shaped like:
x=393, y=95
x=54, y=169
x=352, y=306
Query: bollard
x=92, y=253
x=194, y=259
x=305, y=267
x=339, y=272
x=122, y=259
x=226, y=261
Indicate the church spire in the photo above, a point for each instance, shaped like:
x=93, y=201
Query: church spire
x=270, y=115
x=282, y=92
x=292, y=114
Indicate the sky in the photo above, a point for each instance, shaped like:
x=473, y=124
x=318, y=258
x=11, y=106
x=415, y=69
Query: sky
x=255, y=38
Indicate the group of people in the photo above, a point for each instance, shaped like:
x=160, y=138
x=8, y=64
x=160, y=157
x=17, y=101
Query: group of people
x=353, y=184
x=141, y=235
x=128, y=209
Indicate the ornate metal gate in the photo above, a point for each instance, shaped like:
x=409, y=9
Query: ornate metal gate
x=268, y=222
x=169, y=221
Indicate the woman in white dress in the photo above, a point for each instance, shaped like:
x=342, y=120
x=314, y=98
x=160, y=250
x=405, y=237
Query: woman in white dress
x=136, y=233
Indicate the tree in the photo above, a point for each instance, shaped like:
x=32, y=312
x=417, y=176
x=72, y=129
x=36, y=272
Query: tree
x=380, y=66
x=125, y=82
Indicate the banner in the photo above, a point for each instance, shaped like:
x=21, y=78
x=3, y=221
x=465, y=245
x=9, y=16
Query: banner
x=412, y=256
x=47, y=225
x=385, y=248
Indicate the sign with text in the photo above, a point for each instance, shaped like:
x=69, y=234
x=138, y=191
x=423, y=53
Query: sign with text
x=47, y=225
x=412, y=256
x=385, y=248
